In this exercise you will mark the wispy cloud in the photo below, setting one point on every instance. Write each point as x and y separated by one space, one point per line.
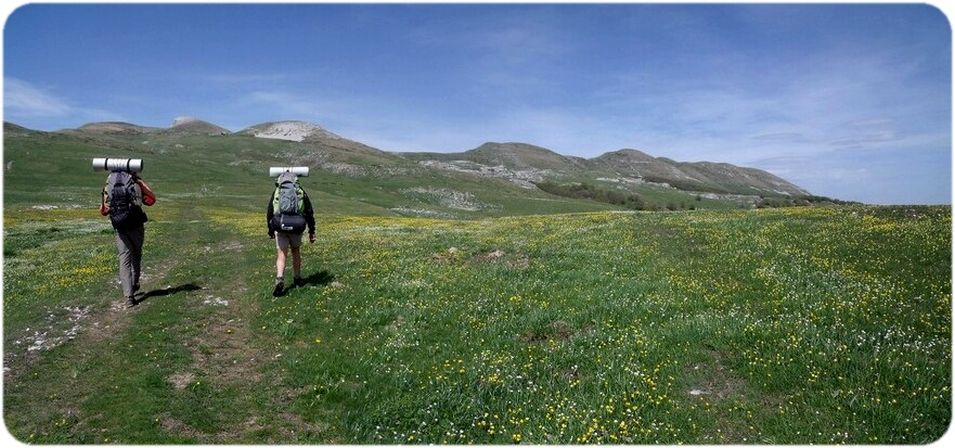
243 78
22 99
305 104
511 54
520 43
792 137
809 106
525 37
26 103
862 140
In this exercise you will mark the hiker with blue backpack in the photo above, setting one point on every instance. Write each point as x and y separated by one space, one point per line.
123 197
289 213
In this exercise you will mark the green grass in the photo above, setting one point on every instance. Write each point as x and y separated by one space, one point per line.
810 325
532 319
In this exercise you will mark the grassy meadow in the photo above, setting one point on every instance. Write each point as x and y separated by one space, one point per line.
801 325
498 314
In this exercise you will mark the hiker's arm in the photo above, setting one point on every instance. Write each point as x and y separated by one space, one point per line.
309 214
103 207
269 212
149 198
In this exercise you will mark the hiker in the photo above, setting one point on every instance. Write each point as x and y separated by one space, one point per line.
289 213
122 200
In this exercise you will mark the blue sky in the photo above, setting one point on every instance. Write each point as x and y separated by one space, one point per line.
847 101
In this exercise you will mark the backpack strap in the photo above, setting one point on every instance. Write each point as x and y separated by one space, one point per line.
300 194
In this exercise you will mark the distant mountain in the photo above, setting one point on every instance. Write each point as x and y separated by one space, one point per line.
195 126
736 178
634 163
321 145
180 126
291 130
511 155
519 163
15 129
116 127
525 164
703 176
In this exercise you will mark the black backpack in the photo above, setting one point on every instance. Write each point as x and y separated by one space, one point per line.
125 201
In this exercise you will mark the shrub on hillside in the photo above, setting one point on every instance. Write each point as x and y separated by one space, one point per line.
583 190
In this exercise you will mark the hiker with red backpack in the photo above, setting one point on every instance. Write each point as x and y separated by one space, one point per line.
123 197
289 213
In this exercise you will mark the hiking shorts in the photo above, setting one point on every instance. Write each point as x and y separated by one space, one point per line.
285 240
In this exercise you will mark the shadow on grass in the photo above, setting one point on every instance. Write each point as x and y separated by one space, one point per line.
318 279
168 291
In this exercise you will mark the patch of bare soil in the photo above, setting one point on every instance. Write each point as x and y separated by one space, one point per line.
222 351
297 424
226 246
496 256
452 254
490 257
396 324
173 426
557 331
513 261
571 374
181 380
718 382
720 386
520 262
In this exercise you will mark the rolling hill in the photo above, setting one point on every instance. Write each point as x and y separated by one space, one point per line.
512 156
191 125
291 130
702 176
491 180
114 127
534 163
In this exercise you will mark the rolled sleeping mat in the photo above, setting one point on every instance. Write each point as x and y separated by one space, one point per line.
275 171
117 164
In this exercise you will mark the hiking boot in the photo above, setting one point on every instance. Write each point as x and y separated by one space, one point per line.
279 287
130 302
298 282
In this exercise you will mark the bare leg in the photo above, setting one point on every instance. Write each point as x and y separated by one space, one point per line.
297 262
280 262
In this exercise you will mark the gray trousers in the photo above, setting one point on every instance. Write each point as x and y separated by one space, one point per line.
129 245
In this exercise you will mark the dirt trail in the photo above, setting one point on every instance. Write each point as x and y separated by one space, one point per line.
81 323
214 319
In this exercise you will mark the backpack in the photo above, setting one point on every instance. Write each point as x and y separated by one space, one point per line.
288 205
125 201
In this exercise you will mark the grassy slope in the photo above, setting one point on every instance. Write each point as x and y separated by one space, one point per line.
809 325
803 325
192 166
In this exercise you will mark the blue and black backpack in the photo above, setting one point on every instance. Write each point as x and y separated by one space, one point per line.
288 205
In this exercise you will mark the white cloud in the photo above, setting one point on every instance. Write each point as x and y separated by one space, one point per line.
243 78
25 102
304 105
838 99
21 98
